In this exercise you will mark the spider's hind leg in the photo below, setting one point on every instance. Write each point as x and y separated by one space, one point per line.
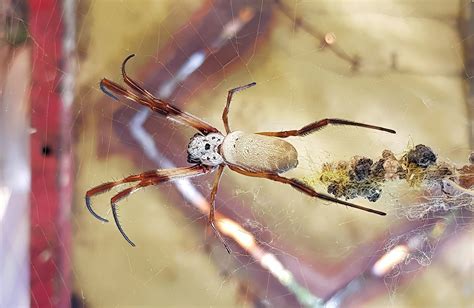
315 126
302 187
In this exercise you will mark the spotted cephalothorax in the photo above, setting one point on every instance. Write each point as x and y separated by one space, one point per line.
263 154
205 149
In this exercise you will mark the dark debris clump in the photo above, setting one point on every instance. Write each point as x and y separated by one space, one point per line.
355 179
369 190
377 171
361 169
362 178
421 156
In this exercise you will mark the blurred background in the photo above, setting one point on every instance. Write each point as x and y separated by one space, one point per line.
406 65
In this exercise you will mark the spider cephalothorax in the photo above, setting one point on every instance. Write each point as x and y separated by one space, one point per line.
205 149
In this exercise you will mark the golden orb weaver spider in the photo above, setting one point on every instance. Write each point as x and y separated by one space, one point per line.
262 155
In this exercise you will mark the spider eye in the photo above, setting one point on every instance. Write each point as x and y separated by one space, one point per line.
207 146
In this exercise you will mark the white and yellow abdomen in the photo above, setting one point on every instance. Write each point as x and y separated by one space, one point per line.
258 152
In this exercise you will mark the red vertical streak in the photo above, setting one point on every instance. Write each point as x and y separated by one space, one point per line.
49 227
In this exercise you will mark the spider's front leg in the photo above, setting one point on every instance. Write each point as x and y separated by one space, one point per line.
143 97
103 188
154 177
125 193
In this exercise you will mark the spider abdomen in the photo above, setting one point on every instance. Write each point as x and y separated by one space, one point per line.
258 152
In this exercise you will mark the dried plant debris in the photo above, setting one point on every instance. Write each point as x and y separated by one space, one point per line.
421 156
363 177
354 179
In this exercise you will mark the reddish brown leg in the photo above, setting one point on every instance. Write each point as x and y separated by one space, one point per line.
302 187
229 99
145 98
161 176
125 193
133 84
212 209
148 178
102 188
315 126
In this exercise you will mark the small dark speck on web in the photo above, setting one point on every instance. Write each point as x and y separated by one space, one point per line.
77 301
46 150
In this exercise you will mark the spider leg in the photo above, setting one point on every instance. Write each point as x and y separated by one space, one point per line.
161 176
133 84
106 92
152 174
212 209
231 92
315 126
302 187
145 98
102 188
96 191
124 193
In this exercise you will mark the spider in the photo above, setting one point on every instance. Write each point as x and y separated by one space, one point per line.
262 155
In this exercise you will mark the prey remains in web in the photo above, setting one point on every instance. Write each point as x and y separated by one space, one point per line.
263 154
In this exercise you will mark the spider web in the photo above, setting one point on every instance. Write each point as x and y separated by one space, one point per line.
407 77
